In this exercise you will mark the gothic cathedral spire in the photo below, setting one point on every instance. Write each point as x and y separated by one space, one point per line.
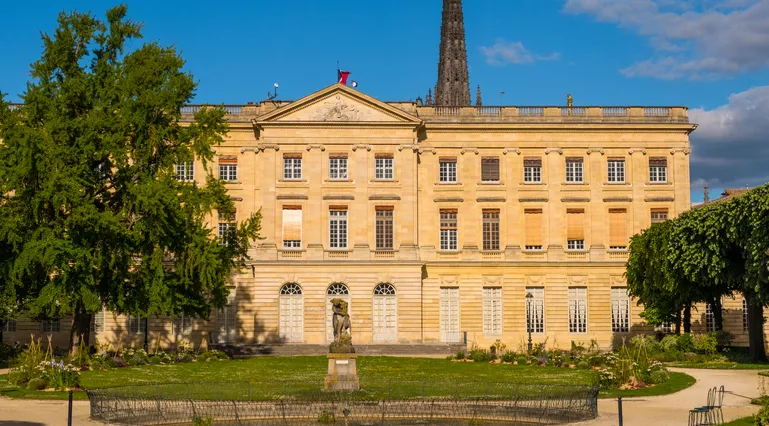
453 87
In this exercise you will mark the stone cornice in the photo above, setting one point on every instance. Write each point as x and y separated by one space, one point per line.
618 199
292 197
339 197
449 200
575 200
491 199
384 197
659 199
533 200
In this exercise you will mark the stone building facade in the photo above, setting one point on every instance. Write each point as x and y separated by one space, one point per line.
434 222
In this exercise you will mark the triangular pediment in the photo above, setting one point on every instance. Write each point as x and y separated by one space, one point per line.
338 103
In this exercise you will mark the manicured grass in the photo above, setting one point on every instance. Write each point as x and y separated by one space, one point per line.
745 421
396 377
676 383
719 365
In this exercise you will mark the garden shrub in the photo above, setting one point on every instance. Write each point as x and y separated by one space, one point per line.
29 364
154 359
326 417
134 361
658 376
8 353
724 339
706 343
669 343
201 358
762 418
36 384
509 356
96 365
686 343
522 360
202 421
479 355
642 341
583 365
460 355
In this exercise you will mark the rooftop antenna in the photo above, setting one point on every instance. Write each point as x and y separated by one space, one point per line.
500 98
271 96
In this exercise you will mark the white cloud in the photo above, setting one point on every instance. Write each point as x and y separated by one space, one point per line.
730 147
712 38
513 52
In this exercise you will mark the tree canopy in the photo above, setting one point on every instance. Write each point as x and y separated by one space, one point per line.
704 254
92 213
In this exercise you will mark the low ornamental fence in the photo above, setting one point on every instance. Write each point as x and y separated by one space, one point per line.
397 402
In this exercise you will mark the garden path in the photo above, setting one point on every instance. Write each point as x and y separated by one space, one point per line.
740 385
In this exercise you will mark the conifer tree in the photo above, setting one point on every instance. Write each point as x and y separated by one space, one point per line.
92 214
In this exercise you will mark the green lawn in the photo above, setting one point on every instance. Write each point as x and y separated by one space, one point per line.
398 377
677 382
745 421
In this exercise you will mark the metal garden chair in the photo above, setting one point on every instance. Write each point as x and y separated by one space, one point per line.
711 413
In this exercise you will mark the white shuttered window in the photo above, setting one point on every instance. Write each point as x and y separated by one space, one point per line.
620 310
291 313
577 310
492 311
385 313
450 314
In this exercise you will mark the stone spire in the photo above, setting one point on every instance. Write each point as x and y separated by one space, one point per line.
453 87
429 98
478 100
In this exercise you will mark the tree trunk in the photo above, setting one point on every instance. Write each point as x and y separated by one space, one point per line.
2 327
755 329
678 323
688 319
146 335
81 329
718 315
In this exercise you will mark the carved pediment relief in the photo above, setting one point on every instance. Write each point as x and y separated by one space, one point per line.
337 108
576 281
338 103
492 280
449 279
533 281
617 281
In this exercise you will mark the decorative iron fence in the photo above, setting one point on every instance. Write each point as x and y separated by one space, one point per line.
398 402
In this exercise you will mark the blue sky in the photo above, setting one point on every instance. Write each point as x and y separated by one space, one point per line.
696 53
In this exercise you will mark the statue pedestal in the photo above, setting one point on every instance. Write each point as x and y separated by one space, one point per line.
342 373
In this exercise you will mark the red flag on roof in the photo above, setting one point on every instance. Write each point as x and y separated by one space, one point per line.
342 76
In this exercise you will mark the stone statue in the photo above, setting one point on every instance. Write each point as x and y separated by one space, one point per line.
341 323
568 100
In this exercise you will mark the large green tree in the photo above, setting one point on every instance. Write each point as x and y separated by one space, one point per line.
92 214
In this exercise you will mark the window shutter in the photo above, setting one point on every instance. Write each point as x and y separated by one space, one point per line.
658 162
292 223
617 227
228 159
575 224
490 169
533 221
532 162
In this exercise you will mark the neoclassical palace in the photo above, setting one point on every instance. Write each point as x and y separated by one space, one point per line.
440 222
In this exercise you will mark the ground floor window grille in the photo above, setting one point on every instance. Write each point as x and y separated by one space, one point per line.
9 325
744 313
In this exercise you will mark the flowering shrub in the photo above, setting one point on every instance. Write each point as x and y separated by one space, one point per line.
37 369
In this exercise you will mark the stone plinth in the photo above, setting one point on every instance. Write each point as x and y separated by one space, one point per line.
342 373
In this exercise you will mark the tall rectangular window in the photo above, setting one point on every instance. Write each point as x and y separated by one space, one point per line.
9 325
337 166
666 327
577 310
136 324
384 228
50 325
337 227
383 167
292 166
658 169
659 215
575 229
182 325
490 169
448 229
532 219
490 229
532 170
99 319
292 227
447 170
620 310
744 314
185 171
227 227
228 168
492 311
616 170
618 229
535 309
450 314
574 169
710 318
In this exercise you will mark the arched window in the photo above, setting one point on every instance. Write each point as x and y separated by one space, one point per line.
291 313
385 313
334 291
